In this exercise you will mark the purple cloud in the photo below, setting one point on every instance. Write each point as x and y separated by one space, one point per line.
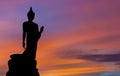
73 54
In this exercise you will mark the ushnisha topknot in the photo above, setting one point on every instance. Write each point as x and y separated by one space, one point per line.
30 13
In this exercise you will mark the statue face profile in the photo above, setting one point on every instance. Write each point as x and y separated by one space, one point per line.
30 14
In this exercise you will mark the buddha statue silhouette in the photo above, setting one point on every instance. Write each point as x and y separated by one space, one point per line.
31 35
25 64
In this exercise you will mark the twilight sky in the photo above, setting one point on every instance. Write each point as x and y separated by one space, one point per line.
81 37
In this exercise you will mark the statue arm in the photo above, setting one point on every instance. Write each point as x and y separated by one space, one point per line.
41 30
24 36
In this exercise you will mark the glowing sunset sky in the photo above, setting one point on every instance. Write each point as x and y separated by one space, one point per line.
81 37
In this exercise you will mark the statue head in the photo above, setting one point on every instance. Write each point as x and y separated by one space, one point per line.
30 14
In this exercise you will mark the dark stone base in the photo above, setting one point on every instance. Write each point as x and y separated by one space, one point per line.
20 65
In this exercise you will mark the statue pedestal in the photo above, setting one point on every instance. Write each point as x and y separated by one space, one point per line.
20 65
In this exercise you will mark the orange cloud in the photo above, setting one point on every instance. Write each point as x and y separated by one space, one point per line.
72 71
